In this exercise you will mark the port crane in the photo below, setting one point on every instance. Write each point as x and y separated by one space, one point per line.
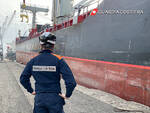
34 10
3 29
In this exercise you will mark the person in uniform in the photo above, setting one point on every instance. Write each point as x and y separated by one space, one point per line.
47 70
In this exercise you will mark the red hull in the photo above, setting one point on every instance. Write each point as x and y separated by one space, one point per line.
129 82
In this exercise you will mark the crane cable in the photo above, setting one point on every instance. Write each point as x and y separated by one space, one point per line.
24 1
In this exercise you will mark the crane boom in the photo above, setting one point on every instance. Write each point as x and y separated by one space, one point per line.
3 29
11 19
5 25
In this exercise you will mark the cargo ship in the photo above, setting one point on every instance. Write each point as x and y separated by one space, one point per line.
105 42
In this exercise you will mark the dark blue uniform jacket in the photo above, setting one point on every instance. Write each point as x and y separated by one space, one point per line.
46 69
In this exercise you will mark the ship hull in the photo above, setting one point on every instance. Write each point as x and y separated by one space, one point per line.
120 38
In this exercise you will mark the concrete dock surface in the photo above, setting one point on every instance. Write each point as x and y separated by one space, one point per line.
15 99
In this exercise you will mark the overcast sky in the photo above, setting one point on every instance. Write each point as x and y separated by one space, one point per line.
7 8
